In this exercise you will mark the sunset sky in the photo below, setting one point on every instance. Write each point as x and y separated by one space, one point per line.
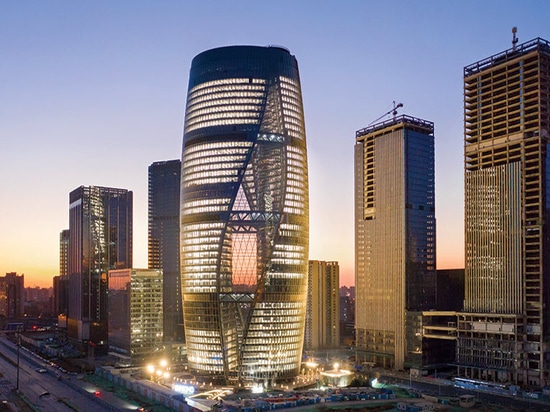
91 93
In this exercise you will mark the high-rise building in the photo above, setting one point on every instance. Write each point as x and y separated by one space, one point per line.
347 315
504 332
163 240
12 295
100 227
135 314
323 306
61 282
394 239
244 214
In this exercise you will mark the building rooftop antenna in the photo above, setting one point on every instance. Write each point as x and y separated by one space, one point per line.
514 38
393 112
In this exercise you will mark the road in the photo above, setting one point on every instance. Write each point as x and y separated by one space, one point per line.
448 390
54 390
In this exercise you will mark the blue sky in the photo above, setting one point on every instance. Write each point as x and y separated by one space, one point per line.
94 92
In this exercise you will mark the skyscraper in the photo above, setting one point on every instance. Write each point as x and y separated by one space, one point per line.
61 282
394 239
244 214
505 331
323 306
100 226
12 295
163 240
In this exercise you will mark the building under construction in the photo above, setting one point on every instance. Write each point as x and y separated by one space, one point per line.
504 332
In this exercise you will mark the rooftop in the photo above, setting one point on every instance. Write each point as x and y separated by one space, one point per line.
507 55
403 119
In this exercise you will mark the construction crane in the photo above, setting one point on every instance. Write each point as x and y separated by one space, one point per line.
392 112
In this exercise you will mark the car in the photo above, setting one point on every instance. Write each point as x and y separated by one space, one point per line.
45 393
41 370
97 393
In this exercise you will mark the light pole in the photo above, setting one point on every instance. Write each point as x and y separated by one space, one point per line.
160 372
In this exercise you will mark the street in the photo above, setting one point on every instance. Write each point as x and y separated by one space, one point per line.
50 390
435 388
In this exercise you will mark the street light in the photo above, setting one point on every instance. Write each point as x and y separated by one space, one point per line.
18 349
160 372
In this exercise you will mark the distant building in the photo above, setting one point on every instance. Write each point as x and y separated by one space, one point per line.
163 241
504 330
323 306
135 314
39 302
347 291
61 282
64 253
347 315
100 225
12 296
394 240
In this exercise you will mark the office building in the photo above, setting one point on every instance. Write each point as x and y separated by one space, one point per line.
135 315
323 306
347 316
163 241
244 214
394 240
61 282
100 230
12 295
504 332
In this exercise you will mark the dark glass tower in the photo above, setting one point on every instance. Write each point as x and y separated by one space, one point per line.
244 214
100 227
394 239
163 240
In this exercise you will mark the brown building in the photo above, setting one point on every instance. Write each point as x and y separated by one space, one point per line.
323 306
504 331
12 296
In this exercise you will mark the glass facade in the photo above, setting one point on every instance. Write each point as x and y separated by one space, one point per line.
244 214
100 230
394 239
135 314
163 240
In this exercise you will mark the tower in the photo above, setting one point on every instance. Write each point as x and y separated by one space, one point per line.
163 240
61 282
323 306
505 328
100 230
394 239
12 295
244 214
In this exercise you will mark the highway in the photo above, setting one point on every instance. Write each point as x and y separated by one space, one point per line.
50 390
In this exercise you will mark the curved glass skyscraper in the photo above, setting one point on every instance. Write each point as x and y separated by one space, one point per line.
244 214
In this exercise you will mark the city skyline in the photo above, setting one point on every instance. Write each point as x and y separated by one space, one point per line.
94 94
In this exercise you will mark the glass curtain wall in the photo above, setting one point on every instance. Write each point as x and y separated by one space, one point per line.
244 214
